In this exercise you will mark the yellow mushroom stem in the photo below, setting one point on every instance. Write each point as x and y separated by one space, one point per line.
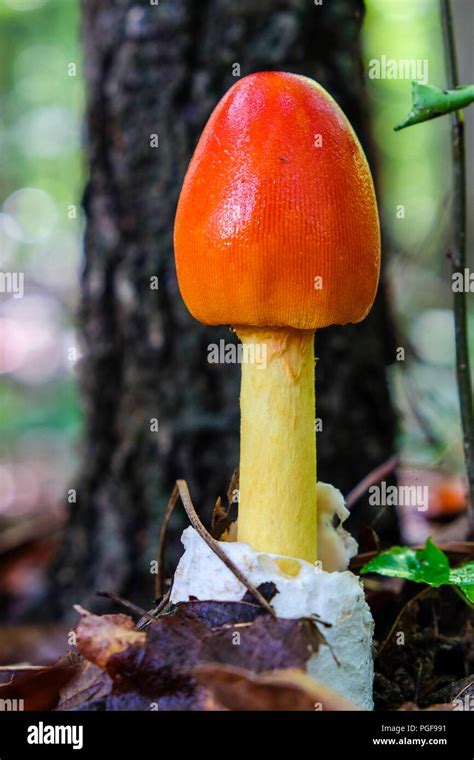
277 489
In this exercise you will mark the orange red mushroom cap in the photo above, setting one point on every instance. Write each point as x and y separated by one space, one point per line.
277 221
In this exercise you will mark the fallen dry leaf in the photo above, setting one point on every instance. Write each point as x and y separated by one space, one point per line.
280 690
88 684
154 669
218 614
38 689
100 637
266 644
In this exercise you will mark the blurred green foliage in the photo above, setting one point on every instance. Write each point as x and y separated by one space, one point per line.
414 188
36 49
41 114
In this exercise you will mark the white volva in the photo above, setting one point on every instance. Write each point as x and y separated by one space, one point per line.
330 591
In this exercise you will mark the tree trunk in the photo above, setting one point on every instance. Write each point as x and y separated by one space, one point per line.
154 73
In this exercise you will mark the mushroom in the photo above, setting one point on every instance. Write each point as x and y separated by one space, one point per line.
277 235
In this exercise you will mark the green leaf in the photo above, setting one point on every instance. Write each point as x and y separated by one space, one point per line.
429 565
429 102
434 564
463 578
468 591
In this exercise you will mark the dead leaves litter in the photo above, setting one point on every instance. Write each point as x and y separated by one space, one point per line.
157 669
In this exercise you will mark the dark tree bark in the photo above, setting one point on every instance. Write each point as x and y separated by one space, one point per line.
159 70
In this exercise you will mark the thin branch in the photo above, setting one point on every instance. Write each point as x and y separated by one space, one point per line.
397 622
214 545
414 402
159 583
465 688
458 257
129 605
154 613
375 476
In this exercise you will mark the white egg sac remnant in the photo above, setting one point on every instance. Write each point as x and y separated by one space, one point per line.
336 597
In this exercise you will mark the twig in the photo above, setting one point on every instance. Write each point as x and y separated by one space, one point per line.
458 257
129 605
22 666
221 520
465 688
159 590
418 680
154 613
375 476
413 399
396 623
214 545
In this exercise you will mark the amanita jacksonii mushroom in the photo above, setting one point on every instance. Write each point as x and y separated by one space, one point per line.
277 234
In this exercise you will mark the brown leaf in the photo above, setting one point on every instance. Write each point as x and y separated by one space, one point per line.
266 644
39 690
158 664
218 614
88 684
100 637
219 519
161 665
291 689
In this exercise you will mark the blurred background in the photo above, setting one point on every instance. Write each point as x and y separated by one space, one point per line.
41 181
43 174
